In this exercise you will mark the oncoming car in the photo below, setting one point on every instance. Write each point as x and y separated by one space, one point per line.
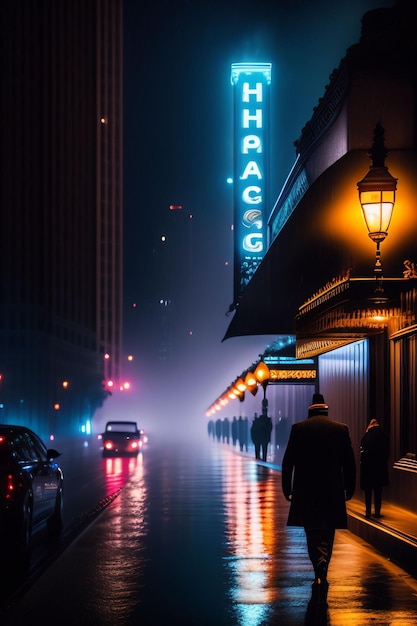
121 438
31 490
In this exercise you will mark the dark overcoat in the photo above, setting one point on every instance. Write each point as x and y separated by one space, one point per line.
318 473
255 432
265 429
374 458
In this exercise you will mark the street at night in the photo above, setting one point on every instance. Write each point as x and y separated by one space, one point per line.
197 535
208 313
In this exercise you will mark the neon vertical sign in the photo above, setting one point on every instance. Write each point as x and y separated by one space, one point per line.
251 121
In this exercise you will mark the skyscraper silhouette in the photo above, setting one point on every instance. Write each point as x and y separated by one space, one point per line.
61 209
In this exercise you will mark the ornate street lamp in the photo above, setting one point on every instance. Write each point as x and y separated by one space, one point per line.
262 375
377 197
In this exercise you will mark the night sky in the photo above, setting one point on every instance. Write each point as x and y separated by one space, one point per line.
178 150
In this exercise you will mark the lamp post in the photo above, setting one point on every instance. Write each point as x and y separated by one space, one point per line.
262 376
377 198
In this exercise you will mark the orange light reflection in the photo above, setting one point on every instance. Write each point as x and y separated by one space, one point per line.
251 535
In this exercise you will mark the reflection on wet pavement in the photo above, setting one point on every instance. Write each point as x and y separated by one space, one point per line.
199 537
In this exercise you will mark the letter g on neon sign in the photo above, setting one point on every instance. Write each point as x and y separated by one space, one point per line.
253 242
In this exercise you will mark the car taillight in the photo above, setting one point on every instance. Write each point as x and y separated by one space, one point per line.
10 487
134 445
108 445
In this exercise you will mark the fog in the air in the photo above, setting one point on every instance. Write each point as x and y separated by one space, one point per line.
178 150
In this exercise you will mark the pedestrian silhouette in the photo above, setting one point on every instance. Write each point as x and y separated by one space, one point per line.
235 433
246 434
256 436
226 430
218 428
318 476
243 433
374 466
265 428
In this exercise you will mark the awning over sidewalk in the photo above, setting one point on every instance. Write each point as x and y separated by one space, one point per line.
264 309
277 365
324 238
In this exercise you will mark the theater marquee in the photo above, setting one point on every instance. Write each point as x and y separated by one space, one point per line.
251 120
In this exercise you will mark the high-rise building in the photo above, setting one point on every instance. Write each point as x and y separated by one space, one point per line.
61 209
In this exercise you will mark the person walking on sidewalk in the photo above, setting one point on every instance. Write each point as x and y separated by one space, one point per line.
374 466
256 436
265 429
318 476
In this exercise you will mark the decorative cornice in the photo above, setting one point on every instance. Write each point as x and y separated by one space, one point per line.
331 289
325 112
251 68
348 309
313 347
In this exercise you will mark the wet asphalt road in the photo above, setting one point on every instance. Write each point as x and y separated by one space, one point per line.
198 536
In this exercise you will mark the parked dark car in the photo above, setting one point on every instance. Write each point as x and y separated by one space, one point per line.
121 438
31 489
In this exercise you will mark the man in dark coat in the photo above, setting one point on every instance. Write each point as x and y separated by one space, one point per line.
318 476
265 429
374 465
256 436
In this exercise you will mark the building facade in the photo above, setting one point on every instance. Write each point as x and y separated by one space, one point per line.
349 302
61 210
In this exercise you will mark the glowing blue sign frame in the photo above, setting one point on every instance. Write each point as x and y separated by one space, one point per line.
251 153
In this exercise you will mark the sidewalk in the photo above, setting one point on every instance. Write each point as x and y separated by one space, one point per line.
394 535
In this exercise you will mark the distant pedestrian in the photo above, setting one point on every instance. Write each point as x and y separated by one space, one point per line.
235 433
256 436
246 434
374 466
265 429
226 430
218 428
318 476
243 433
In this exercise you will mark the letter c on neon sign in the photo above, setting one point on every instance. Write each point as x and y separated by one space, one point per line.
249 198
